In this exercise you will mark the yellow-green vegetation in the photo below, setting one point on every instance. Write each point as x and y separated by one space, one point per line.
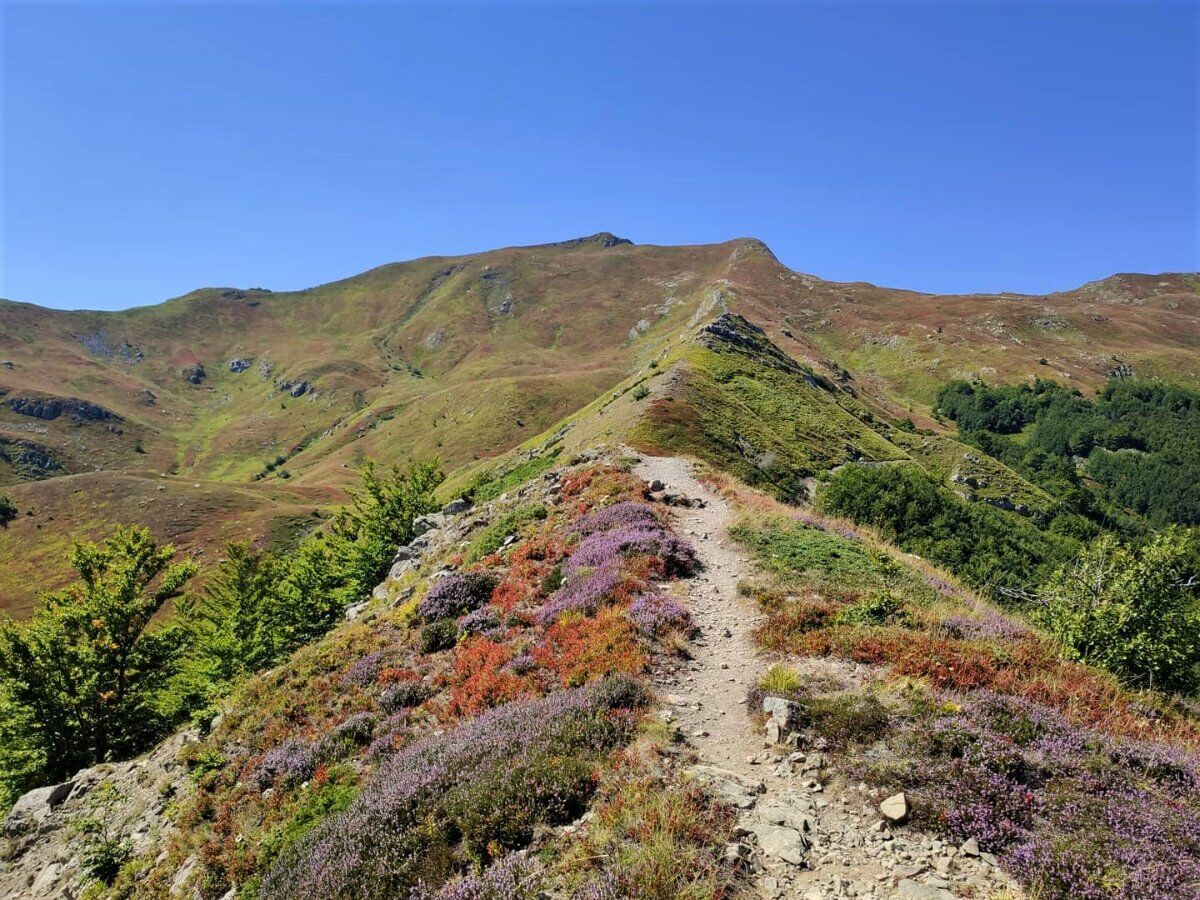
744 406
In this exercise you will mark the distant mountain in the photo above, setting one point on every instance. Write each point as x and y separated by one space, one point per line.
241 412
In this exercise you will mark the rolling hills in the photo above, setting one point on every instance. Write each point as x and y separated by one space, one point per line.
233 412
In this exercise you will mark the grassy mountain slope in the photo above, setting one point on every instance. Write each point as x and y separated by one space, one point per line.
467 357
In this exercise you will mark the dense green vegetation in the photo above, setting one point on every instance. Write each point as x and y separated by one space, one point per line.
93 677
1140 440
8 510
1130 610
985 546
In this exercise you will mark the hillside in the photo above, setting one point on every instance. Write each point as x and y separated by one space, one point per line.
731 623
232 410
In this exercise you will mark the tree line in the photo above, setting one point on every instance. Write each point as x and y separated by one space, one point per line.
97 675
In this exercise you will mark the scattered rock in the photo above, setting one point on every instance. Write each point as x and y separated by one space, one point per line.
456 507
895 807
917 891
194 374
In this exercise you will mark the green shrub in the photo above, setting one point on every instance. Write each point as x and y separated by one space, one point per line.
8 510
1130 610
877 608
491 538
491 485
440 635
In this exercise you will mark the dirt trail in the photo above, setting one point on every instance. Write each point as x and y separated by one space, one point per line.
809 835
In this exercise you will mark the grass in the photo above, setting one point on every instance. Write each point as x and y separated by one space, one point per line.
490 485
767 424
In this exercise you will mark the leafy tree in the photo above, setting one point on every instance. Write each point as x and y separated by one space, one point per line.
986 546
89 667
1131 610
8 510
379 518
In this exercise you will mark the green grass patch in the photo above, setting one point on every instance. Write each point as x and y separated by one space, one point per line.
490 485
492 538
790 549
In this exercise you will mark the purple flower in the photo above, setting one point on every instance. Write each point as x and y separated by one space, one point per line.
989 626
489 781
484 620
653 614
364 671
584 593
619 515
291 762
678 556
457 594
515 877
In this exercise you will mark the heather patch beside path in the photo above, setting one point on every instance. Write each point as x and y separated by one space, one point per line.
804 831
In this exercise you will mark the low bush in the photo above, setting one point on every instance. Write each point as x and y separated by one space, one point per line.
455 595
437 636
654 614
582 650
470 794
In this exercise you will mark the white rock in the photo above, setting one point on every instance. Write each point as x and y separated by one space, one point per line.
895 807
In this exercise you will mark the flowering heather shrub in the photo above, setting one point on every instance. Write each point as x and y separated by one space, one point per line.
515 877
653 614
389 736
677 555
584 593
489 781
619 515
404 695
356 729
582 650
485 621
522 664
364 671
1072 812
455 595
989 626
291 762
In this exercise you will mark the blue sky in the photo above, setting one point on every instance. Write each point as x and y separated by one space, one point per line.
152 148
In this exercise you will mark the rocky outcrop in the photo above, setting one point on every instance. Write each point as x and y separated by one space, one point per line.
194 374
293 388
42 847
240 364
50 408
28 459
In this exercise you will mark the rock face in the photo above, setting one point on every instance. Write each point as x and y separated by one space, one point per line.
293 388
29 460
49 408
240 364
41 848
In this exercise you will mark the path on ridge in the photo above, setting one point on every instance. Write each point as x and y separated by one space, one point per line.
847 850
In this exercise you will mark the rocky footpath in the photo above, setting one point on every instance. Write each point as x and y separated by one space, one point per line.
804 830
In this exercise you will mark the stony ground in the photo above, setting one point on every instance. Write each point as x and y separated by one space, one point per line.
805 832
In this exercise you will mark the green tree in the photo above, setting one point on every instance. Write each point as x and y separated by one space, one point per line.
379 518
8 510
88 666
1131 610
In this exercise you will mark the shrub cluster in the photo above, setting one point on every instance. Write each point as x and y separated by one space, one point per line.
455 595
470 794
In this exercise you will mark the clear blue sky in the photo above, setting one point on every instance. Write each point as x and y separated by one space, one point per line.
949 146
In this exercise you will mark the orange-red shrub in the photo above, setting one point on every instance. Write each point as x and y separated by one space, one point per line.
580 650
480 680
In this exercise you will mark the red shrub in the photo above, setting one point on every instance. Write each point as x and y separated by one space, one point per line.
480 680
580 650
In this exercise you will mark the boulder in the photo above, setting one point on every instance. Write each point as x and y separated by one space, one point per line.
35 806
786 713
240 364
780 842
895 807
456 507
